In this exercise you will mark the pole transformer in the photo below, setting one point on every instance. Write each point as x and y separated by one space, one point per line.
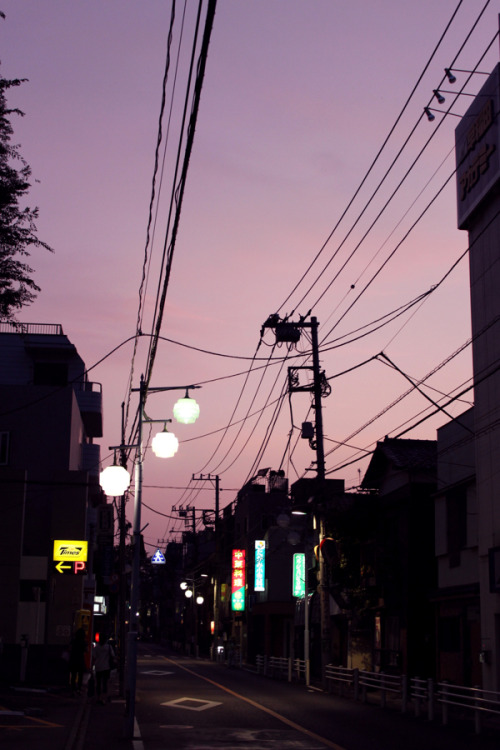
288 332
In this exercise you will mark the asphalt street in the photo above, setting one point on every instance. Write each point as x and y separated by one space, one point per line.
194 704
199 705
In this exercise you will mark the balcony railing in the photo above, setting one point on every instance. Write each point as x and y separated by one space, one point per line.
46 329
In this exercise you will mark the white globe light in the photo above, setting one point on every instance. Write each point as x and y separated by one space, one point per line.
188 593
186 410
199 600
183 585
165 444
114 480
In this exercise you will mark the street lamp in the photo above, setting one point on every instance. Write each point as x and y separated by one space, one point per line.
164 445
114 480
190 593
186 410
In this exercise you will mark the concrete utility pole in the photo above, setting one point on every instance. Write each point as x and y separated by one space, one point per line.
216 479
290 332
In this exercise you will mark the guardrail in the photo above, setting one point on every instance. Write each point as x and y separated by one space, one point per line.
384 684
279 666
424 695
343 676
479 702
283 667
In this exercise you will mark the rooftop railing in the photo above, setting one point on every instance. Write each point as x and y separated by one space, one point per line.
46 329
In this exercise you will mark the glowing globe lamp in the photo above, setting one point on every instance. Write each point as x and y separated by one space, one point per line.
186 410
165 444
188 593
199 600
114 480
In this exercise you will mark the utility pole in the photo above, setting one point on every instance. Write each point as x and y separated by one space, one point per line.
324 594
122 579
288 332
215 479
212 478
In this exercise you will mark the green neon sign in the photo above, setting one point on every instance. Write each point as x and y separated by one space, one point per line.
299 575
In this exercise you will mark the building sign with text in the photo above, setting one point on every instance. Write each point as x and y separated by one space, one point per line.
238 580
70 556
299 575
260 565
477 141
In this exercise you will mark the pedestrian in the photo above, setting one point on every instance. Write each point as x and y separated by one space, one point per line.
103 659
77 660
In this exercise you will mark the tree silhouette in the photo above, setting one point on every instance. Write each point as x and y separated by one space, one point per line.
17 224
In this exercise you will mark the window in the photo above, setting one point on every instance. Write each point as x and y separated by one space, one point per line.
50 373
4 448
32 591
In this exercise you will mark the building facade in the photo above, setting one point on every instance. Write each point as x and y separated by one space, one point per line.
477 142
50 415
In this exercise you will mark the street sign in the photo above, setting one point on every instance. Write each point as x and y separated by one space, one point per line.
70 550
67 567
158 558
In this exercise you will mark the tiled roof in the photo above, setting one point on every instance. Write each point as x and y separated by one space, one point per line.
402 455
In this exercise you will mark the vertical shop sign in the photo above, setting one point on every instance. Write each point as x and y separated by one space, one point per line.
299 575
238 581
260 565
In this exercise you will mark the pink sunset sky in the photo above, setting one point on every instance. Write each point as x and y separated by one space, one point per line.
297 100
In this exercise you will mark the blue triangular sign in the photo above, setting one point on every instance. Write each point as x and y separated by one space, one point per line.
158 558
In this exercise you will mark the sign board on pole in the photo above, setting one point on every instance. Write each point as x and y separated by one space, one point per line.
299 575
238 581
260 565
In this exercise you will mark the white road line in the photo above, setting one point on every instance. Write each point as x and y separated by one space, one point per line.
137 744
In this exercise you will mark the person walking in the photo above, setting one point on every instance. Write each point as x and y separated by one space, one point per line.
103 658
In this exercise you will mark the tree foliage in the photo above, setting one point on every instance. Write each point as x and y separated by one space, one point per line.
17 223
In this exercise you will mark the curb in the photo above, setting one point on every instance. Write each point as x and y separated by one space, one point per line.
79 729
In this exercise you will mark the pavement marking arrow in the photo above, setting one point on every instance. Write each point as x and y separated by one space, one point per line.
270 712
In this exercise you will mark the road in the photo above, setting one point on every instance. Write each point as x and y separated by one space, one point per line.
198 705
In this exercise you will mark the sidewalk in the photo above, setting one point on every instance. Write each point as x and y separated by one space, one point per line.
101 727
52 719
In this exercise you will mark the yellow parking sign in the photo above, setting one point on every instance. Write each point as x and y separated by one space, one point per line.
70 550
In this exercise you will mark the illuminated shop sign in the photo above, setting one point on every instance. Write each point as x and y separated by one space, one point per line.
299 575
260 565
65 549
238 581
70 556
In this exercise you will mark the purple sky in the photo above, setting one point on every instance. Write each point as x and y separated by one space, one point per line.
298 97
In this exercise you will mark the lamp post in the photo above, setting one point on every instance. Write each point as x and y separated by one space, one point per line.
190 593
164 445
294 539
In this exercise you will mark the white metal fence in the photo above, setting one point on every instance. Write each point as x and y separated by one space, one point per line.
424 697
